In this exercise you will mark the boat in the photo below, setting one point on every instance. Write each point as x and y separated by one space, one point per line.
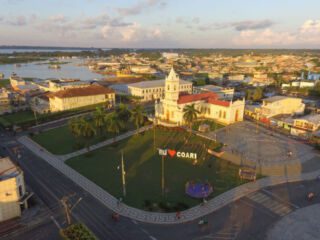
54 66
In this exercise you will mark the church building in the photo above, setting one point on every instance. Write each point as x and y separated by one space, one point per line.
169 110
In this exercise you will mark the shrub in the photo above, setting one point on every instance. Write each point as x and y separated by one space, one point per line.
77 232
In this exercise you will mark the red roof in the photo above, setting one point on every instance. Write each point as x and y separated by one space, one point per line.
209 97
81 92
219 102
196 97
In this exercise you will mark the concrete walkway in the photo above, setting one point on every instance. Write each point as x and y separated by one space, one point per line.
103 144
152 217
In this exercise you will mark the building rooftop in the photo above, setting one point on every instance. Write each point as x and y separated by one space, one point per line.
81 92
276 98
153 84
314 118
8 169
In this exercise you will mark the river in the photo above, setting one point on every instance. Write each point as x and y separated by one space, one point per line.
36 70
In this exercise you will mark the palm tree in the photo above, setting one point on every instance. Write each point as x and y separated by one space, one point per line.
190 114
74 126
86 130
114 124
99 118
138 116
123 112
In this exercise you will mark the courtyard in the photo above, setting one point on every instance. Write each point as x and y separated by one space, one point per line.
262 146
143 166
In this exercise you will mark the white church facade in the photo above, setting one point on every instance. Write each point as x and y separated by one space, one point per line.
169 111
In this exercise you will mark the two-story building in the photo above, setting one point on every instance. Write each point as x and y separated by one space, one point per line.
153 90
13 194
74 98
277 105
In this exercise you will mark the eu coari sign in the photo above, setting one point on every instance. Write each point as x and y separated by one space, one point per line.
172 153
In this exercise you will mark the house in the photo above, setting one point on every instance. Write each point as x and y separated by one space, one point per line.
277 105
169 110
5 102
73 98
153 90
306 125
13 194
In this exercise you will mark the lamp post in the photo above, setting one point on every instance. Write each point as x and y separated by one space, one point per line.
123 175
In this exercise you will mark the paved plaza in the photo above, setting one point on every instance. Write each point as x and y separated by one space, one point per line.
303 224
261 146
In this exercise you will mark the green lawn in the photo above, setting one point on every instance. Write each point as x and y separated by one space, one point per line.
4 82
18 117
61 141
143 169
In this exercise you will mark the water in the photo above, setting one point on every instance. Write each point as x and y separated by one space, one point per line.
34 70
21 50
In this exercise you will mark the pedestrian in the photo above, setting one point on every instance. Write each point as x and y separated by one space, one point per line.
119 202
178 215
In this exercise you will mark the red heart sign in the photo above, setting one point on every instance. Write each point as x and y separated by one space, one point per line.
171 152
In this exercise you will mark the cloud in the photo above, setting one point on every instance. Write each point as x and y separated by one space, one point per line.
310 26
18 21
238 26
130 33
252 25
139 7
308 35
58 18
266 37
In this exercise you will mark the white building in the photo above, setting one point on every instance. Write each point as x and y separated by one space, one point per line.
152 90
169 55
169 111
13 192
223 93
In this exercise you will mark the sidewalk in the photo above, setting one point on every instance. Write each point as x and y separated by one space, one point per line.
153 217
103 144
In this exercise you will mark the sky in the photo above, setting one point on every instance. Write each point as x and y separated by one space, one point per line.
161 23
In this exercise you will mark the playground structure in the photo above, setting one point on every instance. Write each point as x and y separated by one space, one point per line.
198 190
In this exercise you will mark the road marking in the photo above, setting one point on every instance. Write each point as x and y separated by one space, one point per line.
280 199
152 237
273 205
134 221
55 222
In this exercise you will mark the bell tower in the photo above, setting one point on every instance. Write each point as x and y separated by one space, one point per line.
172 86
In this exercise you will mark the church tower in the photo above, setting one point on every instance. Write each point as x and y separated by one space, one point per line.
172 86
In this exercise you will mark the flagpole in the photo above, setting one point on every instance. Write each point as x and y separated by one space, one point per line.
162 175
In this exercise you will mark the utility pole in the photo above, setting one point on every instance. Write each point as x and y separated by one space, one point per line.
162 175
68 207
123 175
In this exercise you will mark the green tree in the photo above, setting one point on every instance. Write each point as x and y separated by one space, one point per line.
123 112
138 116
257 94
114 124
99 119
190 114
86 130
74 126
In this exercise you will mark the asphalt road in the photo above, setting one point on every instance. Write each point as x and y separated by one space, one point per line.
247 218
